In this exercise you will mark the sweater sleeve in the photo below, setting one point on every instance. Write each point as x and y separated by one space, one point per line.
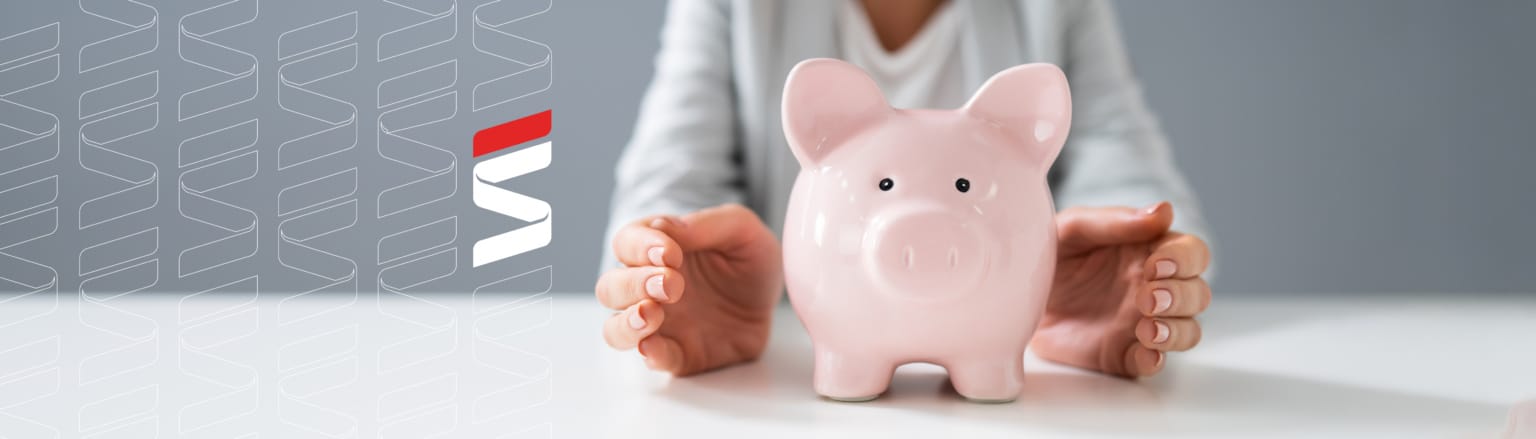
1117 153
682 155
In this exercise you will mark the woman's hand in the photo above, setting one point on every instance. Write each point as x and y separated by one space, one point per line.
1126 291
696 292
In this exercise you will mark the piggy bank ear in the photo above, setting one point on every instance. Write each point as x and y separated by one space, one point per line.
1031 103
826 101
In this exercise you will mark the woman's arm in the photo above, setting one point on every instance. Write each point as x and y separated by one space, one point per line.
1130 281
1116 154
680 157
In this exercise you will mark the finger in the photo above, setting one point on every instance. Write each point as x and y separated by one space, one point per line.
647 243
1168 334
1142 362
1082 228
1174 297
619 288
1178 256
726 227
663 353
626 328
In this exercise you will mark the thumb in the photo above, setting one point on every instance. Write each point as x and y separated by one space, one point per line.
1085 228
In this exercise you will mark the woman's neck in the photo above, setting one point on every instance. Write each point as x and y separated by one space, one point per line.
896 22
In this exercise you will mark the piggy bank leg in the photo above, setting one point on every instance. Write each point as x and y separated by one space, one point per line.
848 378
998 379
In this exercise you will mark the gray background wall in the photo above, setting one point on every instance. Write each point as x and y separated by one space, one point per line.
1362 146
1376 146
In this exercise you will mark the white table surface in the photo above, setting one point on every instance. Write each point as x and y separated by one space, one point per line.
534 366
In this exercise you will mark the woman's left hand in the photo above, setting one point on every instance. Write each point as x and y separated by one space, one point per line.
1126 291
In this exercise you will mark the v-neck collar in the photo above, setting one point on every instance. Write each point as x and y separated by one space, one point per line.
941 29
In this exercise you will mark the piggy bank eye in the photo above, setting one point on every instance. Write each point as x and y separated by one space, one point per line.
963 185
886 184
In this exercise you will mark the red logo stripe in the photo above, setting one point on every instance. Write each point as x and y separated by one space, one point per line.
513 133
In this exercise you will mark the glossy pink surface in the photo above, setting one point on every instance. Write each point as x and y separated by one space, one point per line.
921 271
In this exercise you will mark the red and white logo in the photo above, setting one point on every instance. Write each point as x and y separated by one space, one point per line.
519 161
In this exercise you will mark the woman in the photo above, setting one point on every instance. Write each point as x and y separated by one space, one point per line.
695 272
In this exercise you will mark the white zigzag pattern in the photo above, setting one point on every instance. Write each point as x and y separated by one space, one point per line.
221 155
502 332
116 117
417 98
531 75
28 213
320 358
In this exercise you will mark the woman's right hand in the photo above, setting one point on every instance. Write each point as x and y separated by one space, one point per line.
696 292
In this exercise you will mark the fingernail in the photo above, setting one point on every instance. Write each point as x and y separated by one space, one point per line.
1160 357
1161 300
635 320
1151 210
1162 330
656 289
655 255
666 221
1166 268
659 223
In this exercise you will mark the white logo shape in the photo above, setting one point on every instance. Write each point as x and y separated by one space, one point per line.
536 212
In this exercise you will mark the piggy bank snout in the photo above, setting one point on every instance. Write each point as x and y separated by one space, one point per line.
927 250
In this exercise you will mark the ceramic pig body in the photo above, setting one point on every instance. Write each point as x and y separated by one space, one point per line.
921 235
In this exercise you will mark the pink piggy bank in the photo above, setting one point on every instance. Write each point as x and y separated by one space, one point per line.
921 235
